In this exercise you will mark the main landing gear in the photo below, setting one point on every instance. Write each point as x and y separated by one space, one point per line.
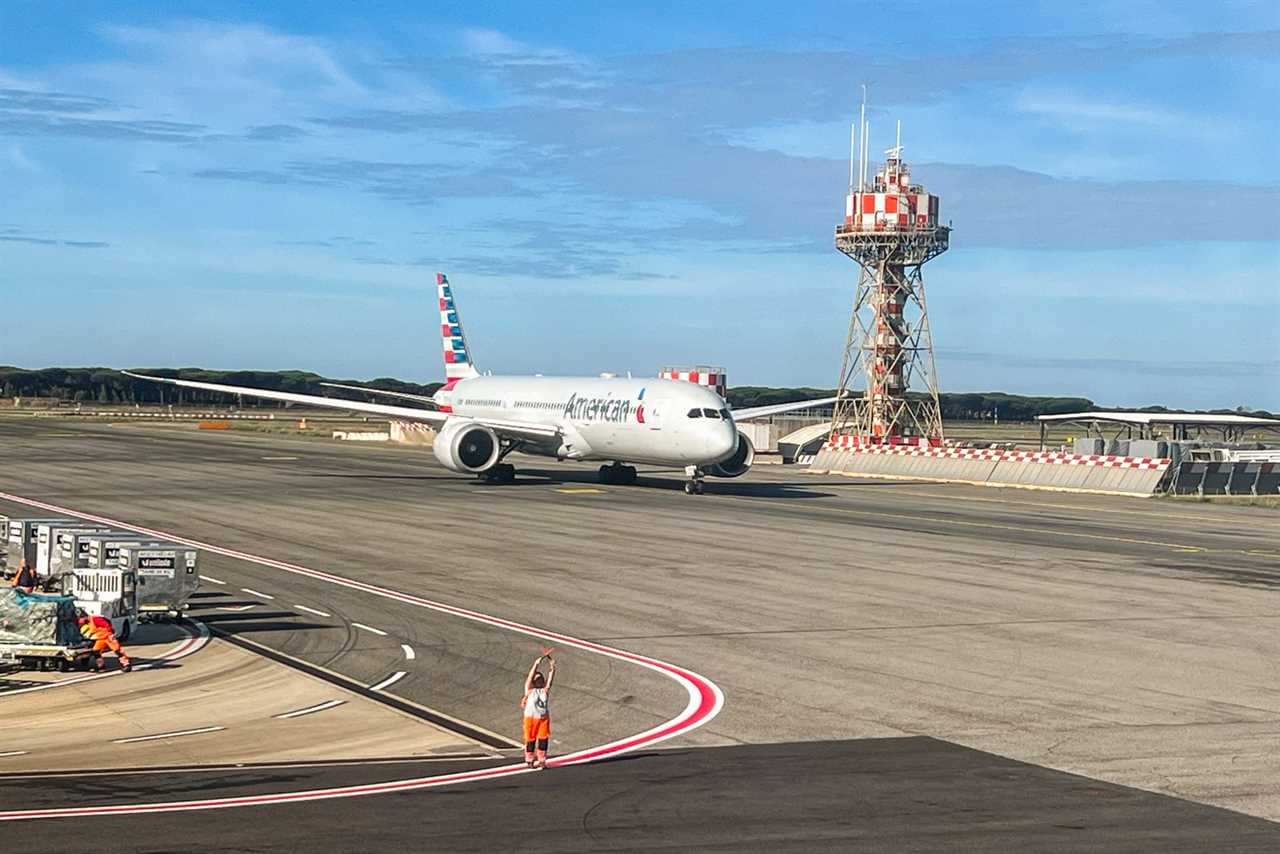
617 474
693 486
501 473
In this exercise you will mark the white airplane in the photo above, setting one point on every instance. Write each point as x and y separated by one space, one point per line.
482 418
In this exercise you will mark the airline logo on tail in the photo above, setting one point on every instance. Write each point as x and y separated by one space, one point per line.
457 359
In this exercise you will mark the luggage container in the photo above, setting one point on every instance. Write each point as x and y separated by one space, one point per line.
104 549
38 630
167 576
65 546
110 593
47 536
20 539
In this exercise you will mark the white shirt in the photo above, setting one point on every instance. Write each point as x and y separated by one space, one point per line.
535 703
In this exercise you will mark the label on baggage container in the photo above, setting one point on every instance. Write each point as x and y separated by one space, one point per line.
156 564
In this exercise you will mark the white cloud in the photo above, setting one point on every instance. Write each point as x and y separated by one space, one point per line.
1083 112
484 41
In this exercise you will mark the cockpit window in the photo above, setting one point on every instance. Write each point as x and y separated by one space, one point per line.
711 413
695 413
724 413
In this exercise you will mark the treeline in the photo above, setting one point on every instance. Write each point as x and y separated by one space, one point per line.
109 386
969 406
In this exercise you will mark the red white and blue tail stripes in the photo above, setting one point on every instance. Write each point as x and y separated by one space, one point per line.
457 357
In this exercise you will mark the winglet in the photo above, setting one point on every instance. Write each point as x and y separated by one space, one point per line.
457 355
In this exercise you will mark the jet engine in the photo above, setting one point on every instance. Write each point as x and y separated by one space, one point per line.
738 463
467 447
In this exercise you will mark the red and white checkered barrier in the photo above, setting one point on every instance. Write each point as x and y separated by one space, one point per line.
1056 458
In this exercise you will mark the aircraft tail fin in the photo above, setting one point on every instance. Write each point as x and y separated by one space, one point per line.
457 355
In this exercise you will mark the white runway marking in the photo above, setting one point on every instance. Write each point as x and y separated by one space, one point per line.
312 611
705 699
212 580
13 753
235 608
310 710
389 681
281 459
253 592
409 654
175 734
370 629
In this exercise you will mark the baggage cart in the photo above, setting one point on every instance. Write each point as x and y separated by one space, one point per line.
167 576
40 630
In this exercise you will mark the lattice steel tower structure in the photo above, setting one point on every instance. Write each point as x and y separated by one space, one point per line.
890 229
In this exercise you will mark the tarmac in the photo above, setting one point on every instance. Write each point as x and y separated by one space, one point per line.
1132 642
205 708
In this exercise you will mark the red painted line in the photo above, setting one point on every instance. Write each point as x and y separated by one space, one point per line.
705 697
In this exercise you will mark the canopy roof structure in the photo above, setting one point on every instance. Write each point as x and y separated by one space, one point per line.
1149 424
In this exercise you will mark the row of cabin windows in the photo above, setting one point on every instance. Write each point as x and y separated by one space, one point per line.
519 404
709 413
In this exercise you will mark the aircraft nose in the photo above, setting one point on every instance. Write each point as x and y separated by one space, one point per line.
721 442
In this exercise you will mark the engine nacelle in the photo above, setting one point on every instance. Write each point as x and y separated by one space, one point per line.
467 447
738 463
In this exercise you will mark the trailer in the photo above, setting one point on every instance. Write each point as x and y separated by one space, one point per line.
167 577
64 657
40 631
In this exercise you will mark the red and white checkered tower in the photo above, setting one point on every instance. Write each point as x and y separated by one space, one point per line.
891 229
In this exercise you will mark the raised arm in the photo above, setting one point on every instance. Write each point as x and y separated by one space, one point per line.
533 668
551 672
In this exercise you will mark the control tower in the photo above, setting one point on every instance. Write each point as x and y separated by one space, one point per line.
890 229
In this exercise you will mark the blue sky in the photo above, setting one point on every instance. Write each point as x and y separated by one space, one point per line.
618 186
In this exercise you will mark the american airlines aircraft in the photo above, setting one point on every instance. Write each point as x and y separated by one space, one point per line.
482 418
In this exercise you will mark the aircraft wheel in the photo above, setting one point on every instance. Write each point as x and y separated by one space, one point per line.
629 475
507 473
689 488
604 475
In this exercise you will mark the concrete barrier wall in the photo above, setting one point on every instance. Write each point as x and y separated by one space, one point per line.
1238 478
1119 475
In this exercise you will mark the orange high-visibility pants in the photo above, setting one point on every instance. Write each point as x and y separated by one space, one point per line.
107 642
537 729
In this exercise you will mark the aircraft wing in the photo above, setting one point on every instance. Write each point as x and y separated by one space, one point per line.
779 408
403 395
515 429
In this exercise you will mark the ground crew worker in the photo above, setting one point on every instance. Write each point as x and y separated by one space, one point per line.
26 580
98 629
537 712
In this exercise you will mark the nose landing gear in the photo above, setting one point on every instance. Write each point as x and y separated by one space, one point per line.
617 474
693 486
